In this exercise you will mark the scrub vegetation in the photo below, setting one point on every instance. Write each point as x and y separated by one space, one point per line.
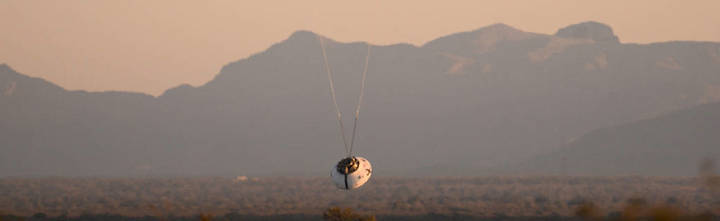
397 198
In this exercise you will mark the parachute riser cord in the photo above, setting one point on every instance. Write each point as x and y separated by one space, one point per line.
359 101
348 147
332 94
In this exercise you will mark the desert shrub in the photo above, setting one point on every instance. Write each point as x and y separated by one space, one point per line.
345 214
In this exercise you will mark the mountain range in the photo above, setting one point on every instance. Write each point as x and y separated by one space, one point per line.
461 104
670 145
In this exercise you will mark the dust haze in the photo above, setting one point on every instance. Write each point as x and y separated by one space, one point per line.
475 111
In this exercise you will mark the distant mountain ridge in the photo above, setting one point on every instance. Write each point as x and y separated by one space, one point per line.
595 31
453 106
670 145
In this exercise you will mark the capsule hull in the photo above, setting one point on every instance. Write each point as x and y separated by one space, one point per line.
353 180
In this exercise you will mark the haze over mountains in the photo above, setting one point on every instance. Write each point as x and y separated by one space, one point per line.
457 105
672 144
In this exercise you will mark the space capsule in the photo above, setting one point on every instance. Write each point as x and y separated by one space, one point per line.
351 173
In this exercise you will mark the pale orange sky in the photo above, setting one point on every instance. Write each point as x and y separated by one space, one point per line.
150 46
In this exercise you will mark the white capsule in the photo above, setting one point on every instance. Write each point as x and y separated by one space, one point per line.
351 173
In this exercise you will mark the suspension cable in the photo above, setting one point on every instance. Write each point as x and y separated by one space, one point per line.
332 95
348 147
359 101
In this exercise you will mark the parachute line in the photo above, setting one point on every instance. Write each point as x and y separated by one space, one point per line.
359 101
348 146
332 95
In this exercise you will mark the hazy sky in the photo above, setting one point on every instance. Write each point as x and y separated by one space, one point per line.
150 46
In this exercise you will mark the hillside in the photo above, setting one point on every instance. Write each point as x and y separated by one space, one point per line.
453 106
673 144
